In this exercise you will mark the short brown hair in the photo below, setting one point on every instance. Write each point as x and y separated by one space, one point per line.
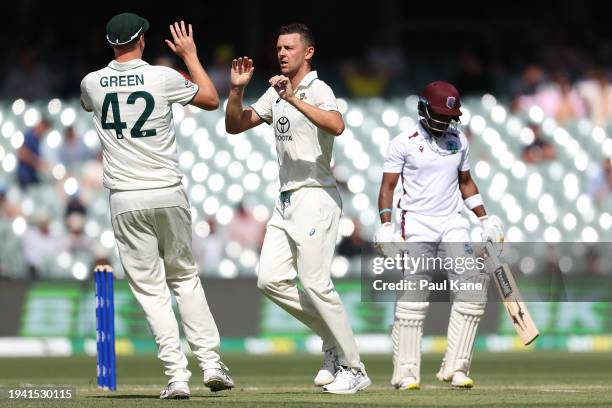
301 29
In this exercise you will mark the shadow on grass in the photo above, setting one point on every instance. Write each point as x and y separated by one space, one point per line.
148 396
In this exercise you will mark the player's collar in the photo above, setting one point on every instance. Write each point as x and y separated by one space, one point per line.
449 146
126 66
308 79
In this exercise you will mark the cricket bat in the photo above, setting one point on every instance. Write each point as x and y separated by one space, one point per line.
511 297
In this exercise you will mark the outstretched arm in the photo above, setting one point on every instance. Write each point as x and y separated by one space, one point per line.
238 119
182 44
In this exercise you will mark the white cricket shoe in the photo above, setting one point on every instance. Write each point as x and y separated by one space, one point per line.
175 390
217 379
348 381
408 383
327 373
461 380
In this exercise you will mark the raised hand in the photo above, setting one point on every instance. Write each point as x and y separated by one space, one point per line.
242 72
182 43
283 86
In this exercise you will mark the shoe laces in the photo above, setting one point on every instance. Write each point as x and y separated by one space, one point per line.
167 389
345 372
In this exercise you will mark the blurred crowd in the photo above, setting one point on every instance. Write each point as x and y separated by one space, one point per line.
74 158
588 96
565 91
562 69
39 242
516 53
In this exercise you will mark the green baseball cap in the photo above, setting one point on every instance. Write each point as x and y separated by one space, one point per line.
125 27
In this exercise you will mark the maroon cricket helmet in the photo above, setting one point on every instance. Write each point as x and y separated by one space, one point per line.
442 98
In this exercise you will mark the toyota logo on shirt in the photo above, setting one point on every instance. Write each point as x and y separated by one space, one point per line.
282 124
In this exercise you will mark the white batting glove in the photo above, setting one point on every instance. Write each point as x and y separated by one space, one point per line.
384 239
492 230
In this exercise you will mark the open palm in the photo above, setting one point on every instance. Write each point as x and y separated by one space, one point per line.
242 71
182 43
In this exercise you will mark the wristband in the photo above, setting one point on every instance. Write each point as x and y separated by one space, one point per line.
385 210
473 201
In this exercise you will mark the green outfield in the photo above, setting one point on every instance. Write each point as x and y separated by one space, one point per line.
502 380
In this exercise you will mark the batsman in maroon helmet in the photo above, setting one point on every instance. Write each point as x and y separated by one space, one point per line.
432 161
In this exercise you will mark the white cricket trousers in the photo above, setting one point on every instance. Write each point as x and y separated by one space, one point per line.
155 250
425 228
300 242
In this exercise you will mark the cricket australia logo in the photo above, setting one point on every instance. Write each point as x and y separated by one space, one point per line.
450 102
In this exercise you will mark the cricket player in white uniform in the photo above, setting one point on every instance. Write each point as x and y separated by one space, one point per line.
150 213
301 235
433 163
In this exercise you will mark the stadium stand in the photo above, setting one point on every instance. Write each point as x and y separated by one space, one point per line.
547 201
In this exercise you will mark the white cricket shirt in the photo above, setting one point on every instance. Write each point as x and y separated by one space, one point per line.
132 102
304 151
429 169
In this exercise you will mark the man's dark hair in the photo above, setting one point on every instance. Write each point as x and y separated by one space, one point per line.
301 29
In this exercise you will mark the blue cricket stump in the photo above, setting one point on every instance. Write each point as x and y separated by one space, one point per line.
105 327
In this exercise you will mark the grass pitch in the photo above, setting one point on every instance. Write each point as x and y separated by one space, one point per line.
502 380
